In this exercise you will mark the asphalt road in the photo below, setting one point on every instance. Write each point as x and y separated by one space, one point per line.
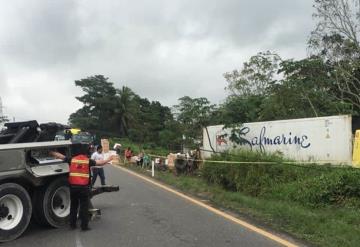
141 214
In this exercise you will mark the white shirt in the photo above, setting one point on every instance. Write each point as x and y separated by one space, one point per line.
97 156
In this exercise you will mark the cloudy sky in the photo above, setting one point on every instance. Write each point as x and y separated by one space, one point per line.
161 49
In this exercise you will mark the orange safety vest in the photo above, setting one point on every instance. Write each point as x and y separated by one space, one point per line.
79 173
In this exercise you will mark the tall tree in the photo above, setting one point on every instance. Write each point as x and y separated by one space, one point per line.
98 104
152 118
238 110
109 111
193 114
248 87
304 91
125 108
336 39
255 76
336 19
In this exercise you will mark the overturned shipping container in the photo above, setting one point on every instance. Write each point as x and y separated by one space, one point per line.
323 139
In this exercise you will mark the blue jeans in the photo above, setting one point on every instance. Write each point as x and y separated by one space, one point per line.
96 172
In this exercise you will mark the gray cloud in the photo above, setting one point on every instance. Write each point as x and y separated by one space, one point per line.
161 49
44 33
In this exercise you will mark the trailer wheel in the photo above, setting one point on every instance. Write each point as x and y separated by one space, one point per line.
53 204
15 211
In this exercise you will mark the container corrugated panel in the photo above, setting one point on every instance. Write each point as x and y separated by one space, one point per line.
308 139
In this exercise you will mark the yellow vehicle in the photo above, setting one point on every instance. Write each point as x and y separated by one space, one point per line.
75 131
356 151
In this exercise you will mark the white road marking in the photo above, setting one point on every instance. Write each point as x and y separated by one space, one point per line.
78 240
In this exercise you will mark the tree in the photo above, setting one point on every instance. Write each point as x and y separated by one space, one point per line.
337 20
125 108
302 88
255 76
241 109
248 87
98 102
171 135
193 114
336 40
152 120
304 91
158 121
108 111
84 119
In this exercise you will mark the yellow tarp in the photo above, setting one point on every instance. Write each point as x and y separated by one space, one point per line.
356 151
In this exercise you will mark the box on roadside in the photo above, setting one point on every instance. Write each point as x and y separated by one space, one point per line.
171 161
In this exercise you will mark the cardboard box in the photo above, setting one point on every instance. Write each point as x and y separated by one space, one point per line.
105 145
171 161
116 160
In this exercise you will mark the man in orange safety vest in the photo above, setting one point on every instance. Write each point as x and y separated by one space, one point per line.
80 182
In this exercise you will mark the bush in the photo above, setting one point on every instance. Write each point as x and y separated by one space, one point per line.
310 185
253 179
338 187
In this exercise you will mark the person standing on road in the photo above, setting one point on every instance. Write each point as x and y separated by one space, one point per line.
98 155
79 181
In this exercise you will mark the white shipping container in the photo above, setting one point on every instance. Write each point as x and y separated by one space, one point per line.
323 139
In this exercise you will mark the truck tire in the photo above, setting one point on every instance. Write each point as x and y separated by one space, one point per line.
52 203
15 211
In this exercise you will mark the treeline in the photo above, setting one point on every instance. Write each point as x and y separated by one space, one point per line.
109 111
266 87
112 112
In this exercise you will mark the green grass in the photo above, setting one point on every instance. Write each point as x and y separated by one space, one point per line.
320 226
